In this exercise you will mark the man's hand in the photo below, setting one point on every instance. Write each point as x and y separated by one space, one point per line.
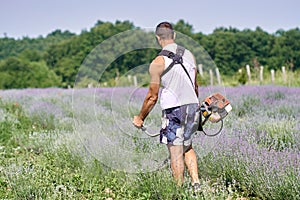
137 122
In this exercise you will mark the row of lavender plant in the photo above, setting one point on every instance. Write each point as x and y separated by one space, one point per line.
257 153
259 150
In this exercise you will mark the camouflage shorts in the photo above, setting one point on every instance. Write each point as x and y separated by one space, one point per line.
179 124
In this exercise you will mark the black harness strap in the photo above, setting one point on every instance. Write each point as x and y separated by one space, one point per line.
177 59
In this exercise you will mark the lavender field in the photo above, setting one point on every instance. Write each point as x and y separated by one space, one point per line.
80 144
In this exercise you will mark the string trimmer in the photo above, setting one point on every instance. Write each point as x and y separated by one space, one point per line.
214 109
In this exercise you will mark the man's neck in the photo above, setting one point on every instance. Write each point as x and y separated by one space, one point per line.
166 42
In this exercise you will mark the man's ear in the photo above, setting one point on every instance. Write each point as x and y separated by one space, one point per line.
157 39
174 35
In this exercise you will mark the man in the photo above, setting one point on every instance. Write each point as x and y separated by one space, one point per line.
179 102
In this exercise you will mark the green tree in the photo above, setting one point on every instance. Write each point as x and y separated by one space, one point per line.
286 50
31 55
61 53
16 73
14 47
184 27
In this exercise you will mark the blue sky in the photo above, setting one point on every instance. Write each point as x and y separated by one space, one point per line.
33 18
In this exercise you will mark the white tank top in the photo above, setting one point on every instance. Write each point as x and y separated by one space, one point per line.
177 89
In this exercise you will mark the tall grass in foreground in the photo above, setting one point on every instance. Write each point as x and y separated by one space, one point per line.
42 156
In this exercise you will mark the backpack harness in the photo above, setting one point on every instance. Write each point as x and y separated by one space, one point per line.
176 59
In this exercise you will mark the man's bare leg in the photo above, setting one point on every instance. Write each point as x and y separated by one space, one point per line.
177 163
190 160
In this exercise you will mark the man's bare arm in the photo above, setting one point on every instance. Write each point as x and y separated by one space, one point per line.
156 68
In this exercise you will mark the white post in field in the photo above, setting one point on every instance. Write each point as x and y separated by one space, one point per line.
248 73
272 75
117 76
135 81
261 74
211 77
200 69
218 76
129 78
283 74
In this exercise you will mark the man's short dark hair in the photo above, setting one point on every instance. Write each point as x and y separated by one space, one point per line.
165 30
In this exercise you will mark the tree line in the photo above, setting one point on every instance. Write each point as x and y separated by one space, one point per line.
54 60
